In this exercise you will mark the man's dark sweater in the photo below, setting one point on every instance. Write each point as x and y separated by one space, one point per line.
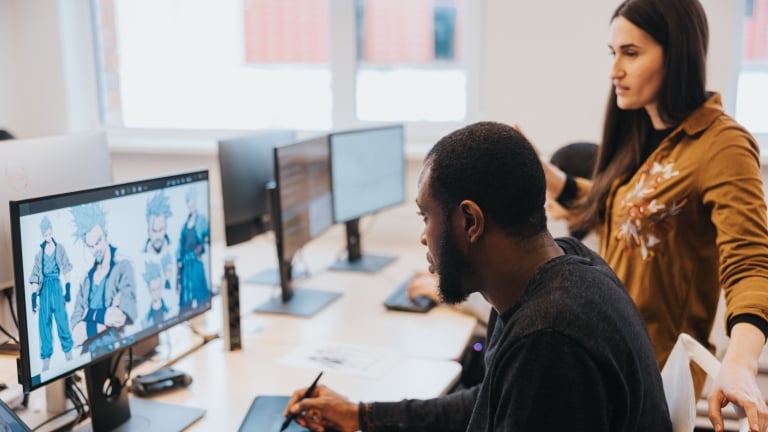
572 354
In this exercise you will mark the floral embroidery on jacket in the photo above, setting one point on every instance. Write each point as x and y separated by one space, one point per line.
644 220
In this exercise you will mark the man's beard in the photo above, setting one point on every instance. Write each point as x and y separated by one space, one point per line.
451 268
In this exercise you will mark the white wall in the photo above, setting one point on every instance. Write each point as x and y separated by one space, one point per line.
37 105
547 66
7 44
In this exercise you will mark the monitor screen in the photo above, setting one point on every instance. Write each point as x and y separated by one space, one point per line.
367 171
300 200
99 270
302 174
246 168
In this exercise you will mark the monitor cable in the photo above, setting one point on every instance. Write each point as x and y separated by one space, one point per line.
8 292
75 394
115 386
10 336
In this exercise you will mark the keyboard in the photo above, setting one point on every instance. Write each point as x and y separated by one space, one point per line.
398 300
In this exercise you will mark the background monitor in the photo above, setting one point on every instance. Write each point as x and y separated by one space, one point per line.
367 175
247 166
124 282
44 166
302 210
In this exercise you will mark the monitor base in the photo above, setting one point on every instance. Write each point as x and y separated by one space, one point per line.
152 416
366 263
304 303
272 277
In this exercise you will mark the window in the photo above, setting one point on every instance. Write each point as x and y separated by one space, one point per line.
299 64
409 61
753 78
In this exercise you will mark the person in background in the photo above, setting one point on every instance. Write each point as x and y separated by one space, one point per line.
567 347
576 160
677 198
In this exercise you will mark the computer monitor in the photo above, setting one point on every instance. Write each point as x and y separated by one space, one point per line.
92 281
247 167
300 201
44 166
367 175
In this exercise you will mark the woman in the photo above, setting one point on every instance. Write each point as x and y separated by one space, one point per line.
677 197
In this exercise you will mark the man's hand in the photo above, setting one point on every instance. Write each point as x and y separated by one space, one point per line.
323 410
424 284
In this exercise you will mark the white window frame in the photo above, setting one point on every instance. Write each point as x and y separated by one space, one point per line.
343 63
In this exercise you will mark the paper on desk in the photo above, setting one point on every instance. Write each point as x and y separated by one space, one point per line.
362 360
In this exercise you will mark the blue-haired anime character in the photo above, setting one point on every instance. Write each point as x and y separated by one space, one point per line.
191 280
153 277
158 244
52 266
107 298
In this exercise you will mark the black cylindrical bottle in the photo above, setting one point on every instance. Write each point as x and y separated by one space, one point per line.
230 305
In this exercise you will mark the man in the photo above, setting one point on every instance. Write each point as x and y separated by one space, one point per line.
51 266
567 349
107 297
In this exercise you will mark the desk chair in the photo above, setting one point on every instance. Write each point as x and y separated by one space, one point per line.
678 383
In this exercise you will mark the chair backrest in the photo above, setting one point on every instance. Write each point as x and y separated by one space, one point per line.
678 383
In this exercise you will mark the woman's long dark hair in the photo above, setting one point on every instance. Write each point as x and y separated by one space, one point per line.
680 27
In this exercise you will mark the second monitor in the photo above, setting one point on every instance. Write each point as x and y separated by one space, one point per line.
367 176
302 210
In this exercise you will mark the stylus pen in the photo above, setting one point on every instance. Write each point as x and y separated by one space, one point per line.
306 394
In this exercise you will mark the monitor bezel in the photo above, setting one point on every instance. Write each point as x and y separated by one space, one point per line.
24 362
285 263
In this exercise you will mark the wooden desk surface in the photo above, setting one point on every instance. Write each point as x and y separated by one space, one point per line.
225 383
358 315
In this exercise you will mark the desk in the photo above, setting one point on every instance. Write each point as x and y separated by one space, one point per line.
225 383
358 316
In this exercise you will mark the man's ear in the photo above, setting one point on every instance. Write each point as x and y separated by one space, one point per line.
474 220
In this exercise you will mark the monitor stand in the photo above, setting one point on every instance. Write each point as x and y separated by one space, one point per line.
271 276
356 260
117 412
301 302
304 302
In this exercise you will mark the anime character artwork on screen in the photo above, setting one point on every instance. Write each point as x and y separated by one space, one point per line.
52 266
193 243
106 300
124 272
